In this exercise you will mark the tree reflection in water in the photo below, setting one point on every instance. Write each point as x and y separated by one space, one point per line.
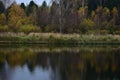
81 63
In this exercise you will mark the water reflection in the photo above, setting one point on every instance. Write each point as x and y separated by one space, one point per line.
76 63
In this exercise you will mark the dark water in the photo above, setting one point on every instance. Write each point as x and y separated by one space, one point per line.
61 63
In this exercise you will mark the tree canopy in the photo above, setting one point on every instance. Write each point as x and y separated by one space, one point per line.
66 16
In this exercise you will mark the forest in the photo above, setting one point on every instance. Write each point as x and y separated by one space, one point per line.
62 16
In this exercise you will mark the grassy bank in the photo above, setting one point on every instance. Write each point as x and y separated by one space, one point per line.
55 38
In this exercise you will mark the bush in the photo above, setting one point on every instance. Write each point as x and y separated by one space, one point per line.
104 31
2 19
29 28
51 28
4 28
117 32
47 29
104 25
86 25
70 30
111 27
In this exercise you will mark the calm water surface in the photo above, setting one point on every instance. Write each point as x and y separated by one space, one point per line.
61 63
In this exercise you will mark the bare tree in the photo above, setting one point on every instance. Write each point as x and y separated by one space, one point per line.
60 14
65 8
60 6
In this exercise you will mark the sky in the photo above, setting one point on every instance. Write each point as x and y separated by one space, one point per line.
39 2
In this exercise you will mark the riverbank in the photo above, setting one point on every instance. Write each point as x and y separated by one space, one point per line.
58 39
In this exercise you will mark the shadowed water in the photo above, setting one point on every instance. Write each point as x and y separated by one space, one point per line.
61 63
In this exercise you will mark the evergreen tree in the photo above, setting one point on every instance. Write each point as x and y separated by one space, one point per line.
2 7
22 5
30 8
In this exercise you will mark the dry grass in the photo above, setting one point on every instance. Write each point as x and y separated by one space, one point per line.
58 38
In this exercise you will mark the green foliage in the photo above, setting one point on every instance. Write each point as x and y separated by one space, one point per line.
117 32
104 32
48 29
115 11
29 28
110 27
23 21
104 25
4 28
51 28
2 19
86 25
115 16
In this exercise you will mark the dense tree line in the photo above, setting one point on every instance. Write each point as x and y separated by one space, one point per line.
66 16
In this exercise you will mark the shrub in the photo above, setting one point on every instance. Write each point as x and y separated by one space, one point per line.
70 30
104 25
104 31
117 32
2 19
47 29
86 25
4 28
29 28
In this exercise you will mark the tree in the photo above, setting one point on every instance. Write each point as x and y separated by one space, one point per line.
3 26
92 5
106 14
15 14
87 25
71 23
30 8
115 15
82 12
43 16
98 16
54 17
29 28
2 7
22 5
112 26
105 18
33 16
112 3
44 4
2 19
